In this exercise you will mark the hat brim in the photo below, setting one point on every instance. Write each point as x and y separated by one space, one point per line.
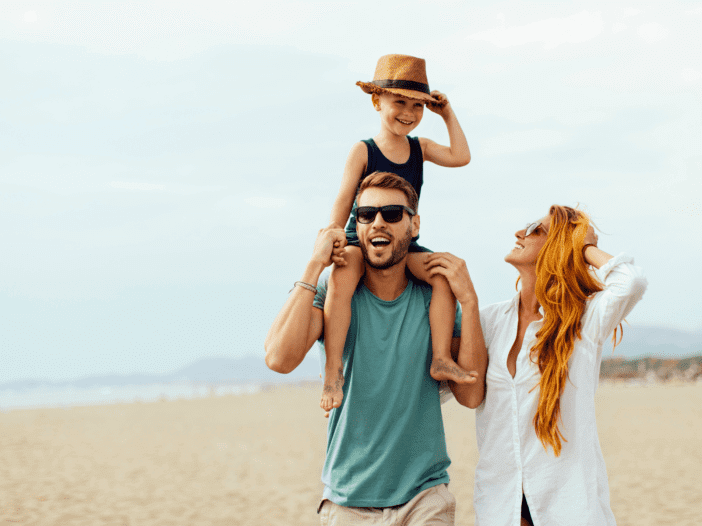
370 88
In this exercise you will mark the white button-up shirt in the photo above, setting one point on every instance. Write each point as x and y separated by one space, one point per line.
570 489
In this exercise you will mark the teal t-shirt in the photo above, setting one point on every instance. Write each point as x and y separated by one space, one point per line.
386 443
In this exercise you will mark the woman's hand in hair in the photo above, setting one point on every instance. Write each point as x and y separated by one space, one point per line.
455 271
590 236
592 254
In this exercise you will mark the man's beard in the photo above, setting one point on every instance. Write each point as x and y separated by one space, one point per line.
398 253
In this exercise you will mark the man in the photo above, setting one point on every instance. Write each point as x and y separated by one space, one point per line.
386 451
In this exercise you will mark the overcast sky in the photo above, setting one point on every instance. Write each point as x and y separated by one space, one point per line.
165 166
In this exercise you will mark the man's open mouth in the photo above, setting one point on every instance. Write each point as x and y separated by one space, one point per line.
379 241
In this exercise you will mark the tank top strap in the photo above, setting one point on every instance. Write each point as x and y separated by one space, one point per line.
372 161
377 162
411 171
415 149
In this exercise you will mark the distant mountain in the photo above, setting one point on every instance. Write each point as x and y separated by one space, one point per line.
249 368
656 342
638 342
216 370
651 369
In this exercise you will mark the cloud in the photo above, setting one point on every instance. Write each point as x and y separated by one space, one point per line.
522 141
266 202
618 27
164 30
691 75
172 188
136 186
552 32
652 32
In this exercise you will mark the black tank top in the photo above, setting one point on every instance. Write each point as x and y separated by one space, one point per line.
412 171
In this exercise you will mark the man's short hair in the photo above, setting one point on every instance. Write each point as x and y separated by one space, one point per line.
391 181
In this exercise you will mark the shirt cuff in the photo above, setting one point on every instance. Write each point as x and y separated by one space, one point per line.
617 260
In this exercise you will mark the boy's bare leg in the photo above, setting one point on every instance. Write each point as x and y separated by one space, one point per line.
442 313
337 318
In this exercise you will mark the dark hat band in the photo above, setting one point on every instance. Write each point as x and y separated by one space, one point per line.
402 84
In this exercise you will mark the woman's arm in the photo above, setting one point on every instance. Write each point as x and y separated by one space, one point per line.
624 286
470 352
596 257
458 153
298 324
353 170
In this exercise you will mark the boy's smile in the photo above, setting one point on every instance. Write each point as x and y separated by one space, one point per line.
398 114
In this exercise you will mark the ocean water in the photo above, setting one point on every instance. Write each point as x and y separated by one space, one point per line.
77 396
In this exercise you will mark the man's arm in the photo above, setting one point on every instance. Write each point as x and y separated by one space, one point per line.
469 350
298 324
471 355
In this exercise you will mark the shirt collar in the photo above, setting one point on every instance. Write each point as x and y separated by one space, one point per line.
514 304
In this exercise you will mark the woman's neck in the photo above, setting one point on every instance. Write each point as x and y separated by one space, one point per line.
527 295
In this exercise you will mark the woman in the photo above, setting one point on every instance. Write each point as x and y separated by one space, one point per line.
540 458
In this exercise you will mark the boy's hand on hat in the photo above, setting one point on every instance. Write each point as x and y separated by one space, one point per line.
442 106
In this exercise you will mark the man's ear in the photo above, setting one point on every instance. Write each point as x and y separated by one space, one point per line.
415 225
375 99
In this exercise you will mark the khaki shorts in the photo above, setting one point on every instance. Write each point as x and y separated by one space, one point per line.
435 506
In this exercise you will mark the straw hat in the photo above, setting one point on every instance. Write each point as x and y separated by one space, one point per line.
403 75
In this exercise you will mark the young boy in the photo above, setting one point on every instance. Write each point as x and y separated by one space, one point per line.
399 91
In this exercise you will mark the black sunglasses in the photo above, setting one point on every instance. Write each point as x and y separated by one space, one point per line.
390 213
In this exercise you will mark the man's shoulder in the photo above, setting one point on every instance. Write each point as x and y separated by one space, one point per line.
421 285
416 293
323 286
423 289
420 289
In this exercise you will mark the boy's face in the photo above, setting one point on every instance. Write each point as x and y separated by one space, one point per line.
398 114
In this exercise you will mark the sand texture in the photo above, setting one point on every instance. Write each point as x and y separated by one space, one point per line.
256 459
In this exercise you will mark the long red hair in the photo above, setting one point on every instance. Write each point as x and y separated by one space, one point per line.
563 285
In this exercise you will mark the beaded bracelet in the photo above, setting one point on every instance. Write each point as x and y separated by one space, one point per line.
304 285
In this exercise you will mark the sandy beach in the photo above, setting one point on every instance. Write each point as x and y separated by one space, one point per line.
256 459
